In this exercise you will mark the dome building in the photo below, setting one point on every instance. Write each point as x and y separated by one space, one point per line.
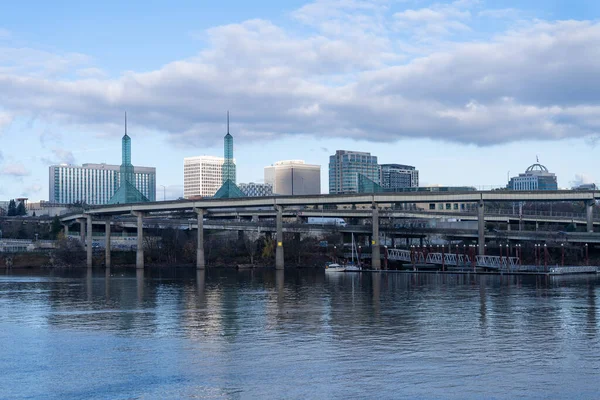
536 177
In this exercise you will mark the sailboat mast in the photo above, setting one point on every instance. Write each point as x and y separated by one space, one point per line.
352 247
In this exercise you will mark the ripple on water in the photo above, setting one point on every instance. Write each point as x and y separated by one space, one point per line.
225 334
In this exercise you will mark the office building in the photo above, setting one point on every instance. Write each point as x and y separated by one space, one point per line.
256 189
398 176
293 177
95 183
347 167
536 177
202 176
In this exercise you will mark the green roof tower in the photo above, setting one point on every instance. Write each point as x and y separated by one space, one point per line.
127 192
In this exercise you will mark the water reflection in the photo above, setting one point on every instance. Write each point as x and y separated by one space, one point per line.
395 331
139 278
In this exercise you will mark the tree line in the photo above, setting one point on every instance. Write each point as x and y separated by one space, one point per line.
15 209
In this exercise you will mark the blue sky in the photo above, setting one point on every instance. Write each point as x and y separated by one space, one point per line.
468 91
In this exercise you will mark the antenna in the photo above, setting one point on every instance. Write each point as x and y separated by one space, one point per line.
125 123
227 121
537 159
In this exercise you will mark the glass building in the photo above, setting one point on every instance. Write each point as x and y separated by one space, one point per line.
345 167
536 177
256 189
398 176
95 183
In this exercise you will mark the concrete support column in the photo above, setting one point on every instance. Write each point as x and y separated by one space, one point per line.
279 264
481 227
139 254
200 261
82 229
66 230
89 240
375 251
107 261
590 216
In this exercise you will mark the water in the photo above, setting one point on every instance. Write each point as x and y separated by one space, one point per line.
226 334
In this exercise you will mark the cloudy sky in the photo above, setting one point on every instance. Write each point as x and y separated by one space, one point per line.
469 91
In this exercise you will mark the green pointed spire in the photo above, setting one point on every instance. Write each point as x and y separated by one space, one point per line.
228 170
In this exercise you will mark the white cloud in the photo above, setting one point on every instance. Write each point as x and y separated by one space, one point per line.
16 170
537 82
501 13
91 73
5 120
31 189
35 62
4 33
581 179
60 156
436 20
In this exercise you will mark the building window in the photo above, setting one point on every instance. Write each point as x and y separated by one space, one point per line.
432 206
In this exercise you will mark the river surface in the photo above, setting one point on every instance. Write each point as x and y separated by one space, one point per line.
226 334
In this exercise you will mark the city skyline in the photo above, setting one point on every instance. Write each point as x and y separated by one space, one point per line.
303 80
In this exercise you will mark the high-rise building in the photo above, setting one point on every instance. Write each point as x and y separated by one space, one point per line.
229 173
95 183
202 176
398 176
294 177
536 177
256 189
346 167
128 191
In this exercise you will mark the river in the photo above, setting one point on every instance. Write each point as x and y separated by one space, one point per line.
227 334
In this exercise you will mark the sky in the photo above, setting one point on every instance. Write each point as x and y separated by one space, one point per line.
468 91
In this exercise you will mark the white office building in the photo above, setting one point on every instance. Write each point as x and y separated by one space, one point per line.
95 183
294 177
202 176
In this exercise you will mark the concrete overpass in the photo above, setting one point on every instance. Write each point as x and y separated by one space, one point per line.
375 201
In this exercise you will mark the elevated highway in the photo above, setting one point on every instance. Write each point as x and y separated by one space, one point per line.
379 203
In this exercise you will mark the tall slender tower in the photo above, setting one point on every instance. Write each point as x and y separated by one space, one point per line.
228 164
126 170
127 191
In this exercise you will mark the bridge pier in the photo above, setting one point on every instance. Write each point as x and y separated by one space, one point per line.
82 229
107 260
139 253
88 240
590 216
279 262
66 230
375 251
481 227
200 261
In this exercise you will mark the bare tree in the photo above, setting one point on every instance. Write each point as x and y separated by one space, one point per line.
251 244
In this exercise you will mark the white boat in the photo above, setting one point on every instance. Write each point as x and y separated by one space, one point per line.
334 267
349 267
